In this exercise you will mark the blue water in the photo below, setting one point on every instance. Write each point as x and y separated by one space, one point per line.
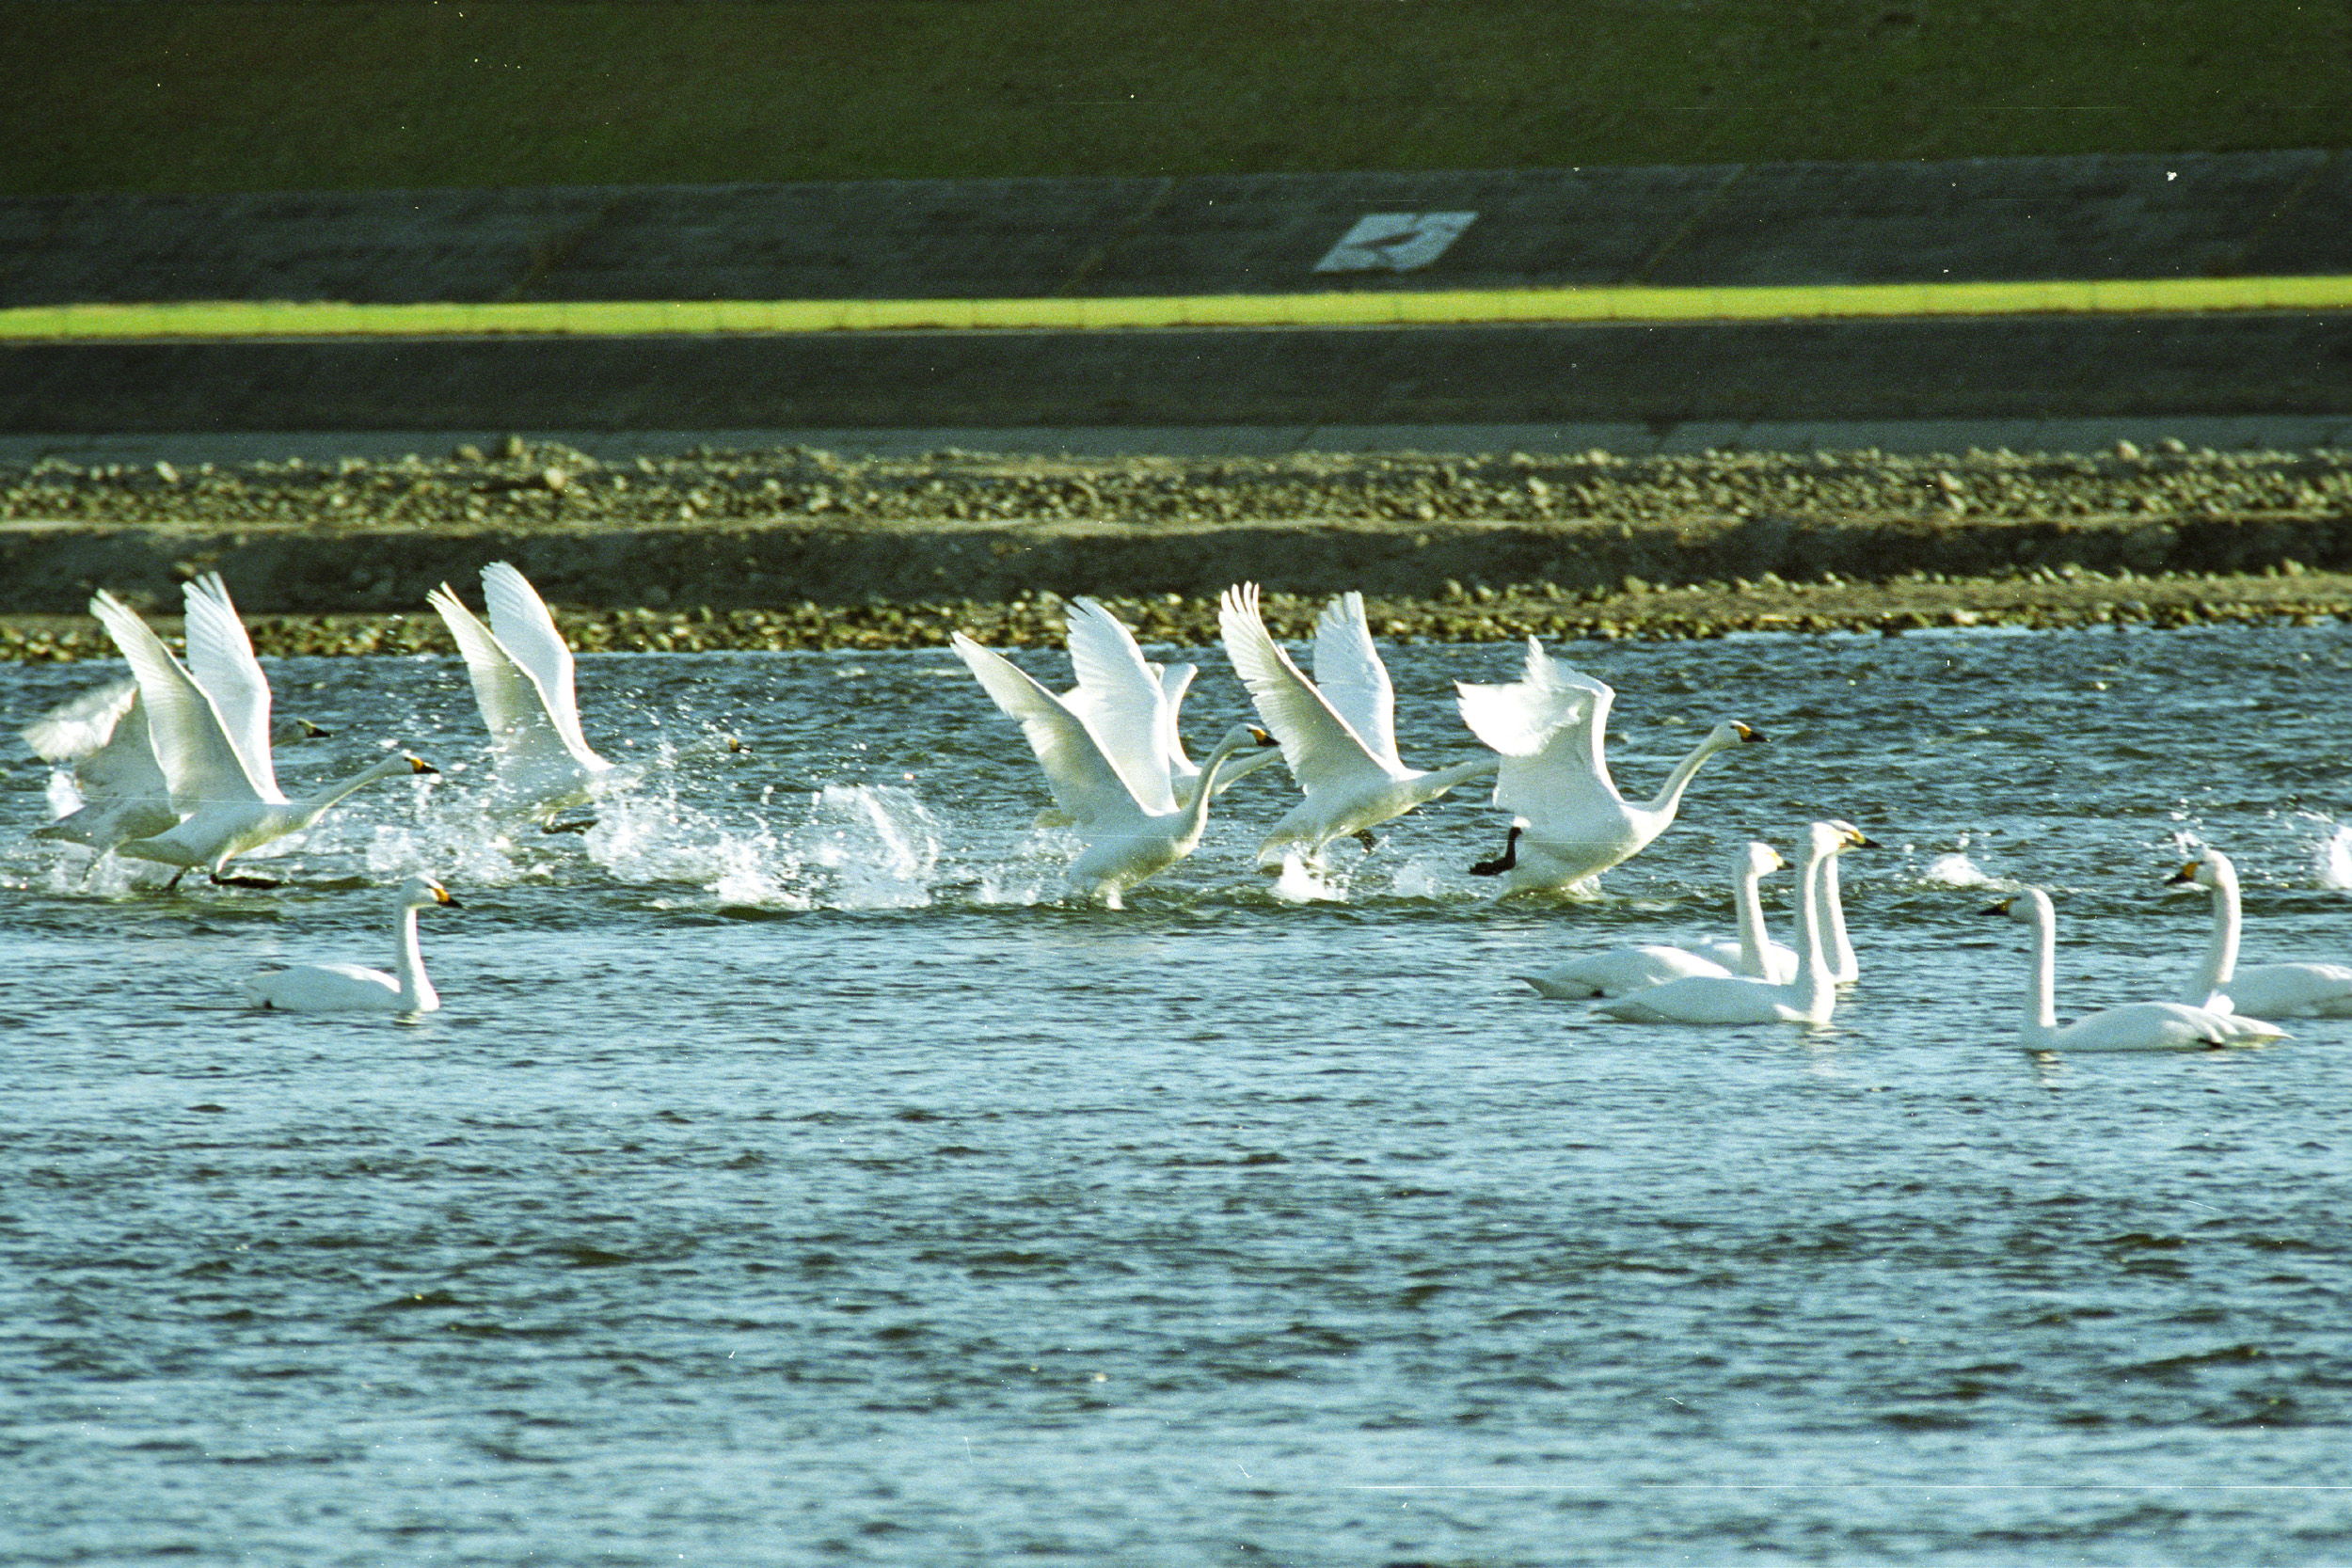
790 1179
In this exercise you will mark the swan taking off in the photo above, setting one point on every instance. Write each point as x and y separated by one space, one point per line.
211 735
1625 968
2134 1027
1739 999
352 988
100 743
522 681
1550 727
1128 704
1337 731
2263 990
1123 805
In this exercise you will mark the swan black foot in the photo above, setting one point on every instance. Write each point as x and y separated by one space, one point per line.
1502 863
219 881
1366 837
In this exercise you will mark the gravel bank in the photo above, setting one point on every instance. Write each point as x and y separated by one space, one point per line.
799 549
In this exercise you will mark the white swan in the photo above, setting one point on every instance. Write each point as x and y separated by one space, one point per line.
352 988
107 760
1128 816
2134 1027
211 740
1734 999
2263 991
1130 705
1845 966
522 681
1337 731
1624 969
1571 823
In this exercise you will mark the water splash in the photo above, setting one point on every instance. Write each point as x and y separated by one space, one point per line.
1954 870
1309 882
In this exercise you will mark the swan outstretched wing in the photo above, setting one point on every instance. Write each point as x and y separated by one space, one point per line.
527 631
513 709
1550 727
1119 699
1320 745
192 745
220 656
82 724
1090 791
1352 678
1175 680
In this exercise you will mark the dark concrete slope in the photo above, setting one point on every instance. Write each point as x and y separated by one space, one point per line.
2092 216
1953 368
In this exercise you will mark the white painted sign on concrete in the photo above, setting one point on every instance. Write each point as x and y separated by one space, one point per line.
1395 242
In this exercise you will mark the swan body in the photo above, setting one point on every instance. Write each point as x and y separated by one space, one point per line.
522 675
351 988
100 743
1625 968
1737 999
2263 990
1129 816
2134 1027
1337 731
1570 822
211 735
1130 705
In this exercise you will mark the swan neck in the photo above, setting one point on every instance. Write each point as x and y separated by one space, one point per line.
416 992
1843 963
1195 811
1669 796
2221 950
315 806
1813 976
1751 914
2041 991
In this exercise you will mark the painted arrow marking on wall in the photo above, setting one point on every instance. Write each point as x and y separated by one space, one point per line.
1395 242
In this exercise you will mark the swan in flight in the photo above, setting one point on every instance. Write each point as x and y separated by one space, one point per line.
2134 1027
1337 731
1743 999
99 741
1624 969
211 735
522 681
1125 806
352 988
1128 704
1571 824
2263 990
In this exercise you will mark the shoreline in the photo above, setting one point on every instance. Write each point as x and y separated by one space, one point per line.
796 548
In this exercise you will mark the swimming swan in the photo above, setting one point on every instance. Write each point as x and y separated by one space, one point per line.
211 740
2134 1027
1130 705
99 744
1845 967
1571 824
2263 990
1625 968
1337 731
350 988
1735 999
1129 816
522 681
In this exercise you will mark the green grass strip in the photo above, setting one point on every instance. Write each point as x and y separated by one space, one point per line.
243 319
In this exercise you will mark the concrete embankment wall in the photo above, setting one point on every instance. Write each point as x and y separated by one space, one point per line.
1787 226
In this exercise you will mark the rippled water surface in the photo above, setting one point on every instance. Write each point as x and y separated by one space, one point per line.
790 1179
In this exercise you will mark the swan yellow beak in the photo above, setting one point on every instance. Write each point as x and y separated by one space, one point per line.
2185 874
2001 908
418 765
1747 734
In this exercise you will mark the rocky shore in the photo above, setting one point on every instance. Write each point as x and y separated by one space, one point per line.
799 549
